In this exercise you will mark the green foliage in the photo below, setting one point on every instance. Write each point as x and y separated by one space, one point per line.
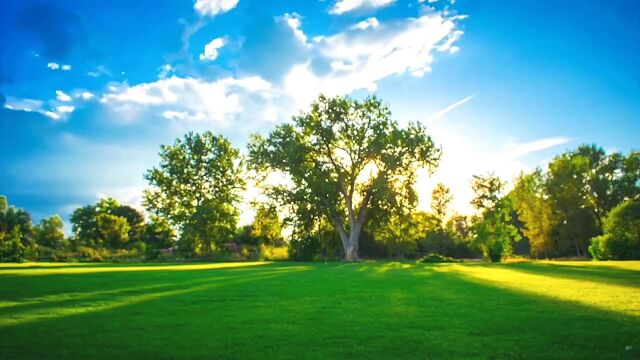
342 157
159 234
11 247
621 238
16 233
437 258
49 232
87 231
196 187
440 200
493 230
400 233
267 228
113 229
274 253
305 248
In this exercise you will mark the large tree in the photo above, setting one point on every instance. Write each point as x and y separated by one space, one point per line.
343 156
196 187
441 198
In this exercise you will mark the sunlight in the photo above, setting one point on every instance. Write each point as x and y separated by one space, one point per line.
601 295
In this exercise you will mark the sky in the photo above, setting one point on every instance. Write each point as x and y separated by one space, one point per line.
90 89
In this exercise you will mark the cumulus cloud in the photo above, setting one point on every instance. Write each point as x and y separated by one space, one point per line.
293 21
364 54
214 7
211 49
62 96
191 99
368 23
343 6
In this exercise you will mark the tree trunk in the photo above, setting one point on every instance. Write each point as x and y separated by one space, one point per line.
350 243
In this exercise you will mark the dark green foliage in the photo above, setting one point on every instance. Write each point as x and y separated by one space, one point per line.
304 249
437 258
159 234
621 238
16 233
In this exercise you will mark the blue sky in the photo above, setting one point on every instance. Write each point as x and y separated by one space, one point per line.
89 89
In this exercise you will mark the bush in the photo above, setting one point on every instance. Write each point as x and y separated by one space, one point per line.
437 258
274 253
621 238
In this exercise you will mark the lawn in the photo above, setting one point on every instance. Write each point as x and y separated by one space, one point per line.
369 310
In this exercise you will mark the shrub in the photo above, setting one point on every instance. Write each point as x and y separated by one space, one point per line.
621 238
274 253
437 258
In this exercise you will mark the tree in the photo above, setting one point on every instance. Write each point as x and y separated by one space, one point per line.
49 232
158 233
113 229
492 229
266 227
196 188
342 157
621 238
16 232
568 188
535 209
440 200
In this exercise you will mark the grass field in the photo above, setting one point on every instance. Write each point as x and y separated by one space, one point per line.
370 310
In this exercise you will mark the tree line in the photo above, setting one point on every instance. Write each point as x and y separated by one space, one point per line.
345 188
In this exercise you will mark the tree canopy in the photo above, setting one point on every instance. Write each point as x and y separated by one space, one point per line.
343 156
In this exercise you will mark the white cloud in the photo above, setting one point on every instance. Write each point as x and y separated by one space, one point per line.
214 7
362 55
293 21
61 96
85 95
440 113
343 6
31 105
55 66
177 98
211 49
368 23
63 109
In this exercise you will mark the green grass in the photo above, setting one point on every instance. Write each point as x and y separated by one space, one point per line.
370 310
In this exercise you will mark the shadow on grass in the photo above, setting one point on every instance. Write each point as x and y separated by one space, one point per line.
356 311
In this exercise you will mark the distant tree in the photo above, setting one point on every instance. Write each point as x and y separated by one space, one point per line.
493 229
341 157
568 188
135 219
535 209
621 238
49 232
196 188
401 233
159 234
267 227
85 226
113 229
440 201
16 232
